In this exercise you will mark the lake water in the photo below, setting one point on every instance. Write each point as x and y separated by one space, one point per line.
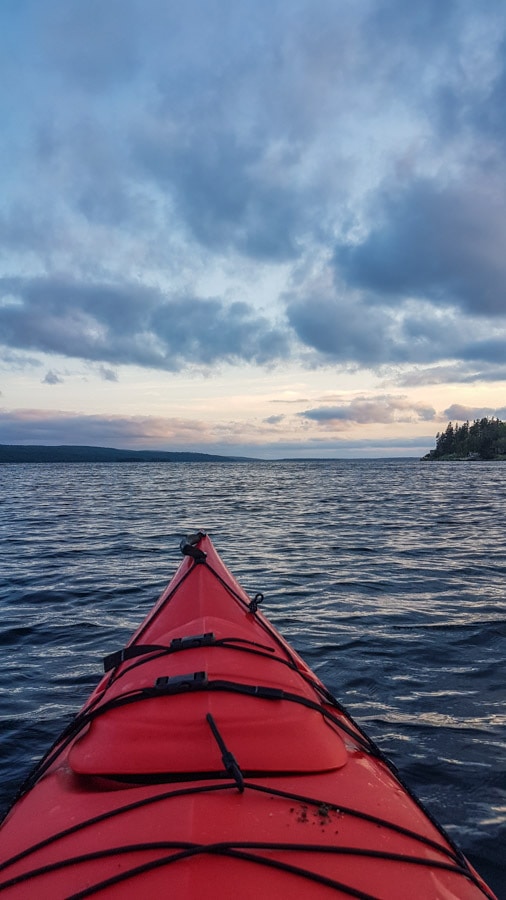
389 578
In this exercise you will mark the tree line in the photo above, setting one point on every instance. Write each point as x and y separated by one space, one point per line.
484 439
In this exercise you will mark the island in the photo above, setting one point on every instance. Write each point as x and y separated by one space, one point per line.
31 453
485 439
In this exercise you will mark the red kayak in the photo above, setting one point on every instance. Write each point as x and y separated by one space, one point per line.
210 762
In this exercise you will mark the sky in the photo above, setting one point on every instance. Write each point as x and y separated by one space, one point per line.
270 228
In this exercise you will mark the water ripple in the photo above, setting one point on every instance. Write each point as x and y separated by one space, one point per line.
388 577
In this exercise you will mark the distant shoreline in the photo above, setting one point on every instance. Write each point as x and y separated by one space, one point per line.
451 457
41 453
21 453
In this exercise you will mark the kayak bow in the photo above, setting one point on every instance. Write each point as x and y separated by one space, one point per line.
211 762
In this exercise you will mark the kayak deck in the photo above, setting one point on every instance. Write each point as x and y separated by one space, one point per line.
211 761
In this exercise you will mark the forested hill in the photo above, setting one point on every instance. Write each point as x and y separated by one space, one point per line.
484 439
20 453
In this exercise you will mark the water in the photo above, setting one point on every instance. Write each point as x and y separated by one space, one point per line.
389 577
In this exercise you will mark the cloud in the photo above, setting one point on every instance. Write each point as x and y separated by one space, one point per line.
437 242
335 323
383 409
274 420
459 413
457 373
289 401
208 331
12 361
107 374
52 377
132 324
57 427
229 193
489 349
350 326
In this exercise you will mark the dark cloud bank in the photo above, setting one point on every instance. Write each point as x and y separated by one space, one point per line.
129 324
438 243
171 140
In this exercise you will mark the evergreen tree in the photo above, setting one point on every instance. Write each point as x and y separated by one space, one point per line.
485 438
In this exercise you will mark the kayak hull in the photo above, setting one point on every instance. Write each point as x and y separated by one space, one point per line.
211 762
